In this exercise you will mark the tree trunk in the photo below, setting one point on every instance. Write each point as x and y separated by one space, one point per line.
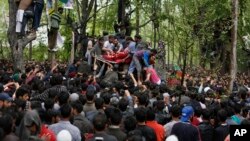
94 18
16 45
86 9
233 68
72 52
30 51
137 16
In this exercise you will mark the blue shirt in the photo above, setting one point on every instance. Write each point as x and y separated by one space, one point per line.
66 125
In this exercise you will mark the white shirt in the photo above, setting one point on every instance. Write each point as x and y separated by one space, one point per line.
108 45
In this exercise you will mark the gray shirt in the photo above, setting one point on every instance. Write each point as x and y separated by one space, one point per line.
66 125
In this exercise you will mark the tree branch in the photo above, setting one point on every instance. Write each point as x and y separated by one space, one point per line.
144 24
98 10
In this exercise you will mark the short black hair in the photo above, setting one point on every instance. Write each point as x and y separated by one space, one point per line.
90 95
142 99
48 104
222 115
115 116
140 114
65 110
130 123
56 79
99 102
123 104
63 97
206 114
176 111
100 121
21 91
150 114
78 106
6 123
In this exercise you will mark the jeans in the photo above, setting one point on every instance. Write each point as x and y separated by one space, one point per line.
38 10
135 64
28 14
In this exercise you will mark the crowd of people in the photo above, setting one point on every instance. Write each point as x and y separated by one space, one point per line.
115 94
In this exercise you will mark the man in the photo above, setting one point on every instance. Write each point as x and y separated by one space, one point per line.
81 122
64 123
159 130
144 56
89 107
100 123
175 112
5 100
108 46
205 128
223 129
152 76
145 130
114 129
184 130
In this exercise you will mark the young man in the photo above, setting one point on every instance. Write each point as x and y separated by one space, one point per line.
144 56
114 129
5 100
176 113
100 123
159 130
191 132
66 113
152 76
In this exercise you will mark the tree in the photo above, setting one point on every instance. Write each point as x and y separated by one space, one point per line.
17 45
233 66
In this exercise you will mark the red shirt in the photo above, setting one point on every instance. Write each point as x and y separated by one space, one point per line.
47 132
159 130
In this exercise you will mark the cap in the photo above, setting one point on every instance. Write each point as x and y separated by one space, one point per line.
187 112
64 135
165 94
5 96
206 89
172 138
74 97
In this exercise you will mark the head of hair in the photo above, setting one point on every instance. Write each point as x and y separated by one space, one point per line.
176 111
21 91
66 110
48 103
6 123
115 116
206 114
141 114
56 79
99 102
90 95
222 115
77 106
63 97
123 104
100 121
142 99
150 114
130 123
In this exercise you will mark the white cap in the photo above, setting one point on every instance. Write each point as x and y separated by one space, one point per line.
74 97
206 89
165 94
172 138
64 135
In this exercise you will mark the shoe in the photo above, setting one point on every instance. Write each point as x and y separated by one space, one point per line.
54 49
32 35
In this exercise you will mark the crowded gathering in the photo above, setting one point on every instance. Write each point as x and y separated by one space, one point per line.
119 86
114 93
